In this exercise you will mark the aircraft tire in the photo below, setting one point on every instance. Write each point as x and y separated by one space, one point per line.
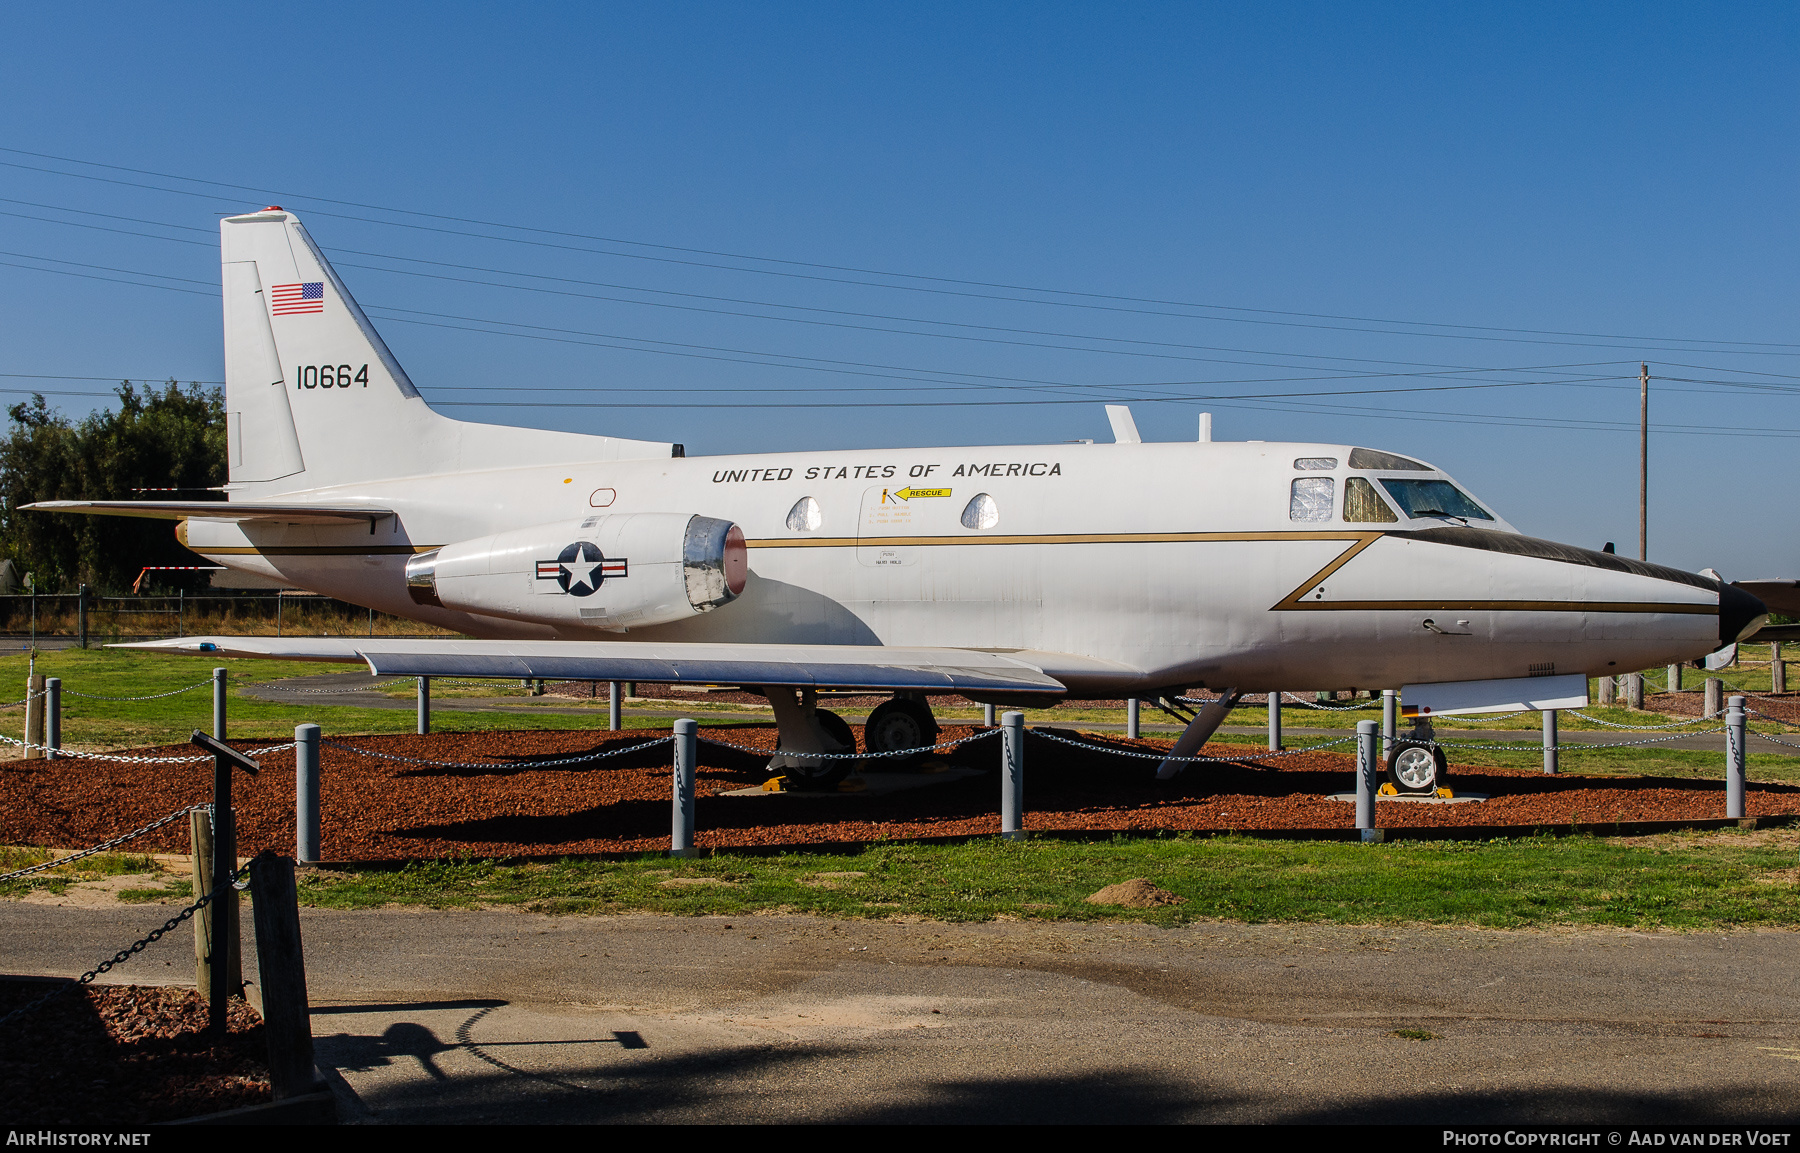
825 773
1416 768
899 723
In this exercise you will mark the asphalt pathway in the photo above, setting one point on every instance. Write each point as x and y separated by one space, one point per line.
501 1016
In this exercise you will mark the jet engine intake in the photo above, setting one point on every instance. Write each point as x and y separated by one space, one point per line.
615 573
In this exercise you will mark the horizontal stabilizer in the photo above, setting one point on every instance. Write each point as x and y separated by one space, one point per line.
220 510
806 666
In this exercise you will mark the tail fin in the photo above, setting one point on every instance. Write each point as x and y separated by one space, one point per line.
315 398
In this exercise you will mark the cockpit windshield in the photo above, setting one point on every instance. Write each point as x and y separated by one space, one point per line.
1433 498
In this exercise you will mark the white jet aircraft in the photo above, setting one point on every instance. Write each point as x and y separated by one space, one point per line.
1013 574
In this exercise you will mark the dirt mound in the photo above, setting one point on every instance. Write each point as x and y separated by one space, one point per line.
1136 893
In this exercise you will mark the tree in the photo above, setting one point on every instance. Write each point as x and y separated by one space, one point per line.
156 439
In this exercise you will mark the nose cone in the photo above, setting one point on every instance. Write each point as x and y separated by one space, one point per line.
1740 614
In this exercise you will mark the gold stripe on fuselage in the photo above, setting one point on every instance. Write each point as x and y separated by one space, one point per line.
1358 541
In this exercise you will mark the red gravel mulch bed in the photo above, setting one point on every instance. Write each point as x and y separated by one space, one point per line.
1779 706
376 810
118 1056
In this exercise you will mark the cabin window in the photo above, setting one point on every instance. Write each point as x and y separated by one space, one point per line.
1311 498
804 516
1362 504
1369 458
1316 463
981 512
1418 498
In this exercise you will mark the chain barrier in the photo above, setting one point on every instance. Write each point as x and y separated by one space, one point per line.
1371 703
105 845
128 952
853 756
1260 756
574 760
151 697
1786 724
366 688
115 757
1775 740
1643 728
1523 746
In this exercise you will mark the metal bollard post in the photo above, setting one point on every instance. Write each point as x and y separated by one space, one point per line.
987 715
1715 696
1275 722
81 602
1131 718
424 705
1012 775
1550 740
219 708
613 701
1735 757
681 830
52 716
1365 778
306 794
1390 721
1674 678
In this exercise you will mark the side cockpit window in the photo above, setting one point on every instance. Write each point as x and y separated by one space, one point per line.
1363 505
1310 499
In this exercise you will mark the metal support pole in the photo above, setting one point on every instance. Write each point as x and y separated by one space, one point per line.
613 700
1777 669
1550 740
1012 775
306 794
34 717
424 705
1734 759
681 829
1275 722
987 715
1715 696
81 600
1365 778
1131 718
1390 721
219 706
52 716
1674 678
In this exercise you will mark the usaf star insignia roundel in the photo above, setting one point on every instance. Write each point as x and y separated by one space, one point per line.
580 569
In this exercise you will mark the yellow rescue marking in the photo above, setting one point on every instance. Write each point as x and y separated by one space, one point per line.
920 493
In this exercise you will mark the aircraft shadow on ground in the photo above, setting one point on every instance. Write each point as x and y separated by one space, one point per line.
731 1085
597 754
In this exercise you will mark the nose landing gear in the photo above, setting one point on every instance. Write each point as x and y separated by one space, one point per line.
1416 764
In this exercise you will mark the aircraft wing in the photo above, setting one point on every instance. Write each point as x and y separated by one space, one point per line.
1782 596
814 666
220 510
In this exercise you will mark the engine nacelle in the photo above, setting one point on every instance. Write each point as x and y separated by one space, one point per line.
616 572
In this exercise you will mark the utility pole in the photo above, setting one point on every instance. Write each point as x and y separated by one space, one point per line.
1644 461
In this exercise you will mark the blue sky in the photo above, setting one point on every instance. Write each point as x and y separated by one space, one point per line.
946 207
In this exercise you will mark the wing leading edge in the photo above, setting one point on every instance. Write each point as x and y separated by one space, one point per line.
219 510
805 666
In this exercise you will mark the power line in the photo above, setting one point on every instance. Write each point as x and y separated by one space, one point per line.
1451 331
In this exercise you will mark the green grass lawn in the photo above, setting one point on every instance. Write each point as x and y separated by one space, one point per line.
1680 881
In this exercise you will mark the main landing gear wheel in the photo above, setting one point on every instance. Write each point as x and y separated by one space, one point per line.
1416 768
820 774
899 724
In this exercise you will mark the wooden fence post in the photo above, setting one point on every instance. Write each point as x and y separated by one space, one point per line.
281 966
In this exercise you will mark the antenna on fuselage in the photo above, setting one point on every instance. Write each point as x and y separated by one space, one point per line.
1206 428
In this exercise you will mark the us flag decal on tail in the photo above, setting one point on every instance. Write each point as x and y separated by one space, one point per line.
292 299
